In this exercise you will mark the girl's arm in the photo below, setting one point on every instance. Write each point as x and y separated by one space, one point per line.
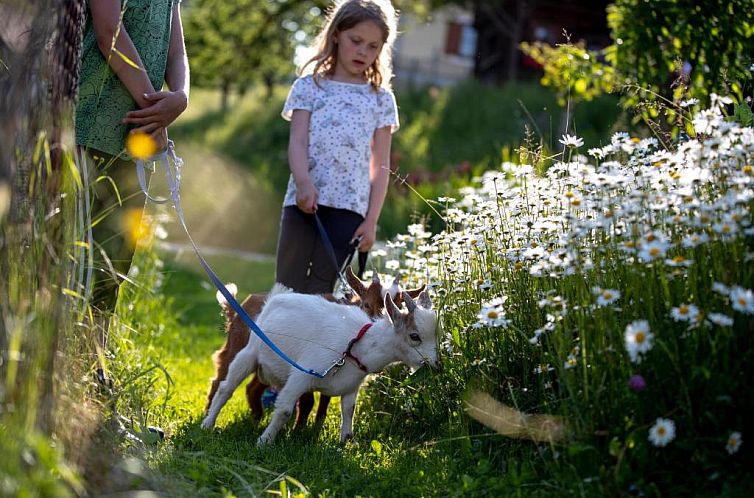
106 21
379 175
298 160
165 107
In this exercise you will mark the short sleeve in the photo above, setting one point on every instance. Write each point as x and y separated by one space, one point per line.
387 111
301 96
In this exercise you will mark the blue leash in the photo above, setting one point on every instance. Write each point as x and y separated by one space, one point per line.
173 177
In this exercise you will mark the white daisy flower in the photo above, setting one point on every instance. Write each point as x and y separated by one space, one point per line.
653 250
742 300
606 296
393 264
662 432
571 141
721 288
571 362
734 442
720 319
638 339
678 261
685 313
689 102
492 316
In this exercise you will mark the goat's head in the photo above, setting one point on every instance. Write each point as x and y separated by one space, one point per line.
417 329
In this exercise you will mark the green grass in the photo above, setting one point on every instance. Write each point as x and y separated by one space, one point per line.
194 462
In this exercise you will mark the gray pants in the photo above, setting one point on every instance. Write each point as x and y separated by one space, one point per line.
303 262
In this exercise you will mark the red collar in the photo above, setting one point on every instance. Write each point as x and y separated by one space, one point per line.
356 339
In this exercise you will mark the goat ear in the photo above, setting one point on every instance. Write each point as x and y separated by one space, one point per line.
410 304
393 312
356 284
424 300
416 292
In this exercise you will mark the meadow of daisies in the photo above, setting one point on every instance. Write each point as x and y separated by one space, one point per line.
610 296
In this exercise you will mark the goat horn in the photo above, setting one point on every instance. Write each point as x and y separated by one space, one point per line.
410 304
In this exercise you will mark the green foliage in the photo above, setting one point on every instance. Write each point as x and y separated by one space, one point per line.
654 39
246 41
575 72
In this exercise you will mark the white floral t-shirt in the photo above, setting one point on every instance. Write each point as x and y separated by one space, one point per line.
344 117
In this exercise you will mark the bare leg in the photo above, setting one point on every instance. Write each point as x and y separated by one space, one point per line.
242 365
297 385
347 406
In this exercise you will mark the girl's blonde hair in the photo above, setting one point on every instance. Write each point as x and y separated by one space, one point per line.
344 15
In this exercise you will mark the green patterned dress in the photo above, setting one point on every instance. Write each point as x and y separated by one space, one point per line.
103 99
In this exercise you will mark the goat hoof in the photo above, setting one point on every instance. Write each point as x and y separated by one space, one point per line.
346 437
263 442
207 424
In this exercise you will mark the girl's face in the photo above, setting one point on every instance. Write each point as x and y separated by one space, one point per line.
358 48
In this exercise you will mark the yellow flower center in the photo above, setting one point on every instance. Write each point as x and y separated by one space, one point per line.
607 295
683 309
569 194
640 337
654 251
679 259
661 431
650 238
575 202
742 301
748 169
635 140
492 314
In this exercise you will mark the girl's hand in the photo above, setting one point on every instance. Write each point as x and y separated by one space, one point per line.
368 233
306 196
164 109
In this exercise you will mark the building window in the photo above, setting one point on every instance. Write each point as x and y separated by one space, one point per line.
461 40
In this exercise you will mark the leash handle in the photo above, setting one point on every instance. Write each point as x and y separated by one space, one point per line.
173 178
330 249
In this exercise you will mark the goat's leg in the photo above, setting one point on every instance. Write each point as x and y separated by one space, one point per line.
254 391
347 407
305 405
284 406
324 402
242 365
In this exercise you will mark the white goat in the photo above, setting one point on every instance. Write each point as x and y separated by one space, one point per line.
315 333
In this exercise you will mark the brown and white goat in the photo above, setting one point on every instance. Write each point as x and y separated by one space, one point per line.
368 297
297 322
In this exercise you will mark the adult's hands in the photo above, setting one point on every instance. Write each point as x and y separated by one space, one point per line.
164 109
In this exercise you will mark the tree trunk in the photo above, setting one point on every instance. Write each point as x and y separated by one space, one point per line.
225 93
41 42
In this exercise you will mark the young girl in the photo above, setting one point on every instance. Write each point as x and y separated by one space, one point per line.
342 115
